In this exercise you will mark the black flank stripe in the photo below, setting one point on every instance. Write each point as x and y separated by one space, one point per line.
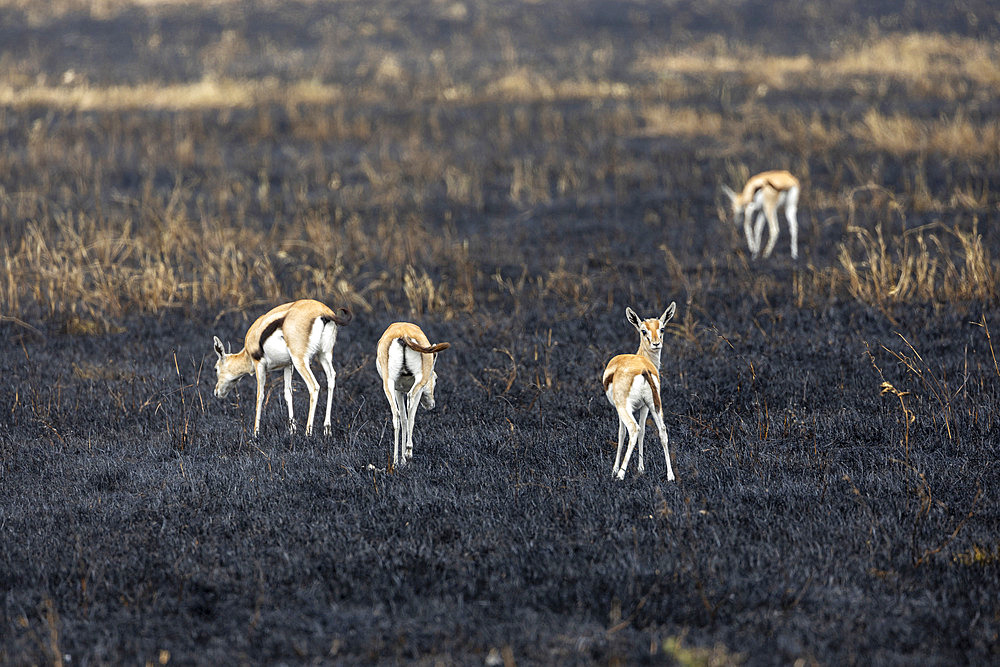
264 335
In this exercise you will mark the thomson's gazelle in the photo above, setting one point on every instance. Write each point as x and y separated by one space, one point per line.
632 383
763 195
288 336
405 362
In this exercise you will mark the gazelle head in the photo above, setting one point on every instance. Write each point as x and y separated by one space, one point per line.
227 369
427 399
736 204
651 330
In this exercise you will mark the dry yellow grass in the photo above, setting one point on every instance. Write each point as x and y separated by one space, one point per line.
955 136
524 84
668 120
934 263
931 63
204 94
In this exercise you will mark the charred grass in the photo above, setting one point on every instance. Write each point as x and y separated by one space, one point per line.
510 176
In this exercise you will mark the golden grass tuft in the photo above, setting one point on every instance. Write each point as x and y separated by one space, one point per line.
928 63
209 93
934 262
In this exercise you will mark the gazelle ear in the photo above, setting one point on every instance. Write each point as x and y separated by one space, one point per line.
219 349
668 314
633 318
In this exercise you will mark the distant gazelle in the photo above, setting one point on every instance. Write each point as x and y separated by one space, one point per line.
763 195
632 383
405 362
286 337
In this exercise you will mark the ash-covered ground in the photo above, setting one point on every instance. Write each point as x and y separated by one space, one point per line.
836 498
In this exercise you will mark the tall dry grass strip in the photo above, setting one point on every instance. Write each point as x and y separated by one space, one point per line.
933 262
931 64
209 93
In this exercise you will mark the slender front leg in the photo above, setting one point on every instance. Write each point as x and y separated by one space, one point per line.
793 229
288 399
260 370
331 380
643 413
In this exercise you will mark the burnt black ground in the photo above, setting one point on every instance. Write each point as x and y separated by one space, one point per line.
138 516
137 504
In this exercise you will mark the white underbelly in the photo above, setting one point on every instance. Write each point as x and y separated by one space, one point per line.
276 354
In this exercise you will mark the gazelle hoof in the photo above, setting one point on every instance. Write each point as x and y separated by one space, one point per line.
327 430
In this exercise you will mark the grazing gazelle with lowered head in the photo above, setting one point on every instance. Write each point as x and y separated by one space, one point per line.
405 362
764 194
632 384
286 337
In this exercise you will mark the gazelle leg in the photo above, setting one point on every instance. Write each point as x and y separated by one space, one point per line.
793 229
621 447
412 403
302 366
261 373
771 213
326 360
288 399
643 413
402 409
748 217
633 435
758 232
394 409
662 430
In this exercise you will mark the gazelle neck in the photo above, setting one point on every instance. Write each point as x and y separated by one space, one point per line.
240 362
647 351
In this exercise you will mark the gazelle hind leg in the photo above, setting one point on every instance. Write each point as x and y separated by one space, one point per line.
772 227
662 430
758 232
412 403
288 399
633 435
748 223
326 360
621 447
643 413
394 409
312 384
404 426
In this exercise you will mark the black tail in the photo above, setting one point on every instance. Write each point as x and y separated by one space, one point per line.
414 345
343 319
